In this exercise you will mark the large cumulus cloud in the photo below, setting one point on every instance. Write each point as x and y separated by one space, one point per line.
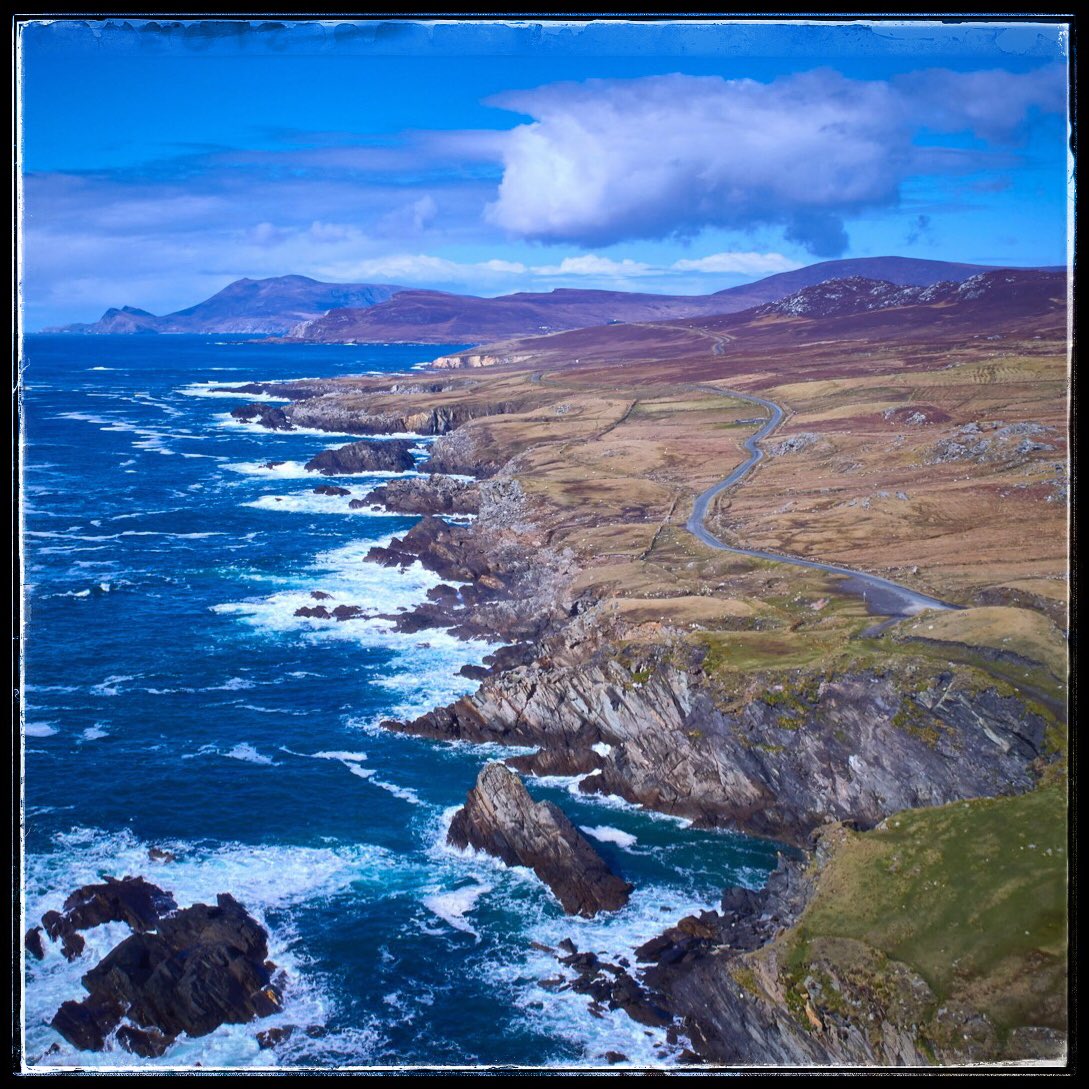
610 160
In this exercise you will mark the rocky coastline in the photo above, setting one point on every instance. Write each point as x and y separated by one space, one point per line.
806 760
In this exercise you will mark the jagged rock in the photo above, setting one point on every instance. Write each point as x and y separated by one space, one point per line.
147 1043
320 595
270 1038
501 818
331 489
556 762
430 495
86 1024
611 986
33 943
794 444
72 944
386 455
200 967
347 612
131 900
157 854
268 416
314 612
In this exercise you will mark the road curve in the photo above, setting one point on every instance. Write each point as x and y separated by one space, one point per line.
882 596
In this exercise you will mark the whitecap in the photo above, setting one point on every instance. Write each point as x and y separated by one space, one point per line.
604 834
246 752
225 419
406 794
452 907
296 470
110 686
39 729
94 733
208 389
309 503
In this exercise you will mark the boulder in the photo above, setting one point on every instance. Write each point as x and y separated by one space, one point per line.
33 943
384 455
331 489
268 416
501 818
147 1043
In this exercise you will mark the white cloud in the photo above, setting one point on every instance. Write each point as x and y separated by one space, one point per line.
592 265
745 263
610 160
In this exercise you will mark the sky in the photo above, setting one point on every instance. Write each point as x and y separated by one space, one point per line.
162 160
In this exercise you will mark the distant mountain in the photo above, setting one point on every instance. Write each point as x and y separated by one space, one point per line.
434 317
273 306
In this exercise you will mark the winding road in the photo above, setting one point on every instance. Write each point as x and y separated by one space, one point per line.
882 596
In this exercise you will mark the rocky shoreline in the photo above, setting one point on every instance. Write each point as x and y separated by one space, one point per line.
796 758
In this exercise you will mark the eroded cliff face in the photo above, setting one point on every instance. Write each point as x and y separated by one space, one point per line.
854 747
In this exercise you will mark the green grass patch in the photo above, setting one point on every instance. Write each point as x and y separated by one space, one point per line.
972 896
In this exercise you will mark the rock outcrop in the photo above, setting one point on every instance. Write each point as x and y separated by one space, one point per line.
270 416
430 495
386 455
182 971
500 817
779 763
131 900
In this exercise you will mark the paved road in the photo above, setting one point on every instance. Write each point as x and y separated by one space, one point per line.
882 596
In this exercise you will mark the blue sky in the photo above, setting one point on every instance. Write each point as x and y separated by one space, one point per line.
163 160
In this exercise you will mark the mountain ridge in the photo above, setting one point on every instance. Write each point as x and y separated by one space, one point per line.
300 308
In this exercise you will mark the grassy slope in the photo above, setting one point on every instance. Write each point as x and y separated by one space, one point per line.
971 896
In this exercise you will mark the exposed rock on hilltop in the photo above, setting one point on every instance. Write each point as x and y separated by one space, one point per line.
856 294
386 455
501 818
994 441
186 971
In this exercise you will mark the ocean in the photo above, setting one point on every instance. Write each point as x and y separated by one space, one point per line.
173 700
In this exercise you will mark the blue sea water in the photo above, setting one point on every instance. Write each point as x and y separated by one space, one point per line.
172 699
